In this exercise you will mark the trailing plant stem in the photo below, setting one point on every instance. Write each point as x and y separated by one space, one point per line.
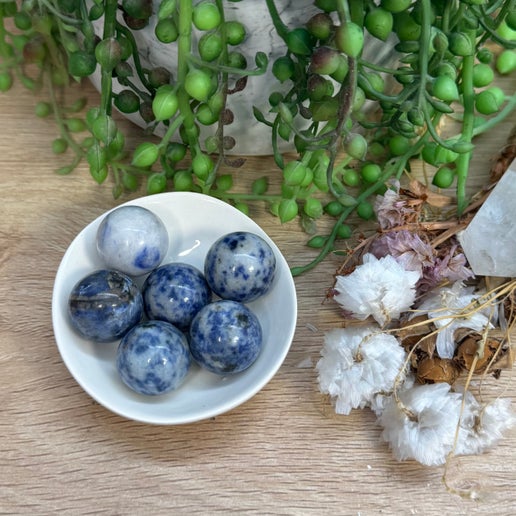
393 169
468 124
280 27
424 42
346 95
136 56
183 51
106 79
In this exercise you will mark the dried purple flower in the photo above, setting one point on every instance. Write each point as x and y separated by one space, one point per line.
406 247
390 210
449 267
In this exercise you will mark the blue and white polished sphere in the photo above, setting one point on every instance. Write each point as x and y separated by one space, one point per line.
175 292
225 337
153 358
240 266
132 239
105 305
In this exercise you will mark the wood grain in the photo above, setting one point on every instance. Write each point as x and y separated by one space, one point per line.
283 452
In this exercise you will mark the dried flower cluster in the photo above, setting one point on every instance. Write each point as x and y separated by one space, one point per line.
380 288
424 328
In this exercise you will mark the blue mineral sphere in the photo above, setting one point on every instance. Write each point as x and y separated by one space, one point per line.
240 266
132 239
153 358
104 305
175 292
225 337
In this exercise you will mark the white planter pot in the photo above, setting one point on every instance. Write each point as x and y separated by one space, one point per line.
252 137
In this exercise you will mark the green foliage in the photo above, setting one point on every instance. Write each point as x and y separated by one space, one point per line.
449 55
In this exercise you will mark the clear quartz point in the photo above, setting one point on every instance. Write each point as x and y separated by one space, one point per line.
489 241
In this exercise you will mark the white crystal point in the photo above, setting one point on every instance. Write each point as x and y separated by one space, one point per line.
489 241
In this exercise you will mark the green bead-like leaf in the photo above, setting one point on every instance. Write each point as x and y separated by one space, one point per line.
260 116
320 26
166 9
365 210
325 109
287 210
347 200
461 44
116 146
145 155
63 171
165 103
104 129
283 68
206 15
156 183
261 60
317 242
285 113
300 41
224 182
325 60
313 208
260 186
349 39
445 89
176 151
108 53
183 181
202 165
81 63
344 231
379 23
130 181
198 85
463 147
489 101
100 174
506 62
356 146
294 173
96 158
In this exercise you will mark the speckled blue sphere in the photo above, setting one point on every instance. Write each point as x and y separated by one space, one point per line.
105 305
132 239
175 292
225 337
153 358
240 266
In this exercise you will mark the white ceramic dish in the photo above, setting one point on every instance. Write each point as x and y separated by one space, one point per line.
194 222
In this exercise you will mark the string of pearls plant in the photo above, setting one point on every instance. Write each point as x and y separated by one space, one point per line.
447 56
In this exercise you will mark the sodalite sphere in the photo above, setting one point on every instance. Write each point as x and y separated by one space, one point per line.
105 305
175 292
132 239
153 358
225 337
240 266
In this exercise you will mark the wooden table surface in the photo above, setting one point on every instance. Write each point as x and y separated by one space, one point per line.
282 452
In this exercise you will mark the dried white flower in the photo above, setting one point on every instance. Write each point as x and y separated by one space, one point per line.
453 302
483 426
422 424
380 400
356 364
379 287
